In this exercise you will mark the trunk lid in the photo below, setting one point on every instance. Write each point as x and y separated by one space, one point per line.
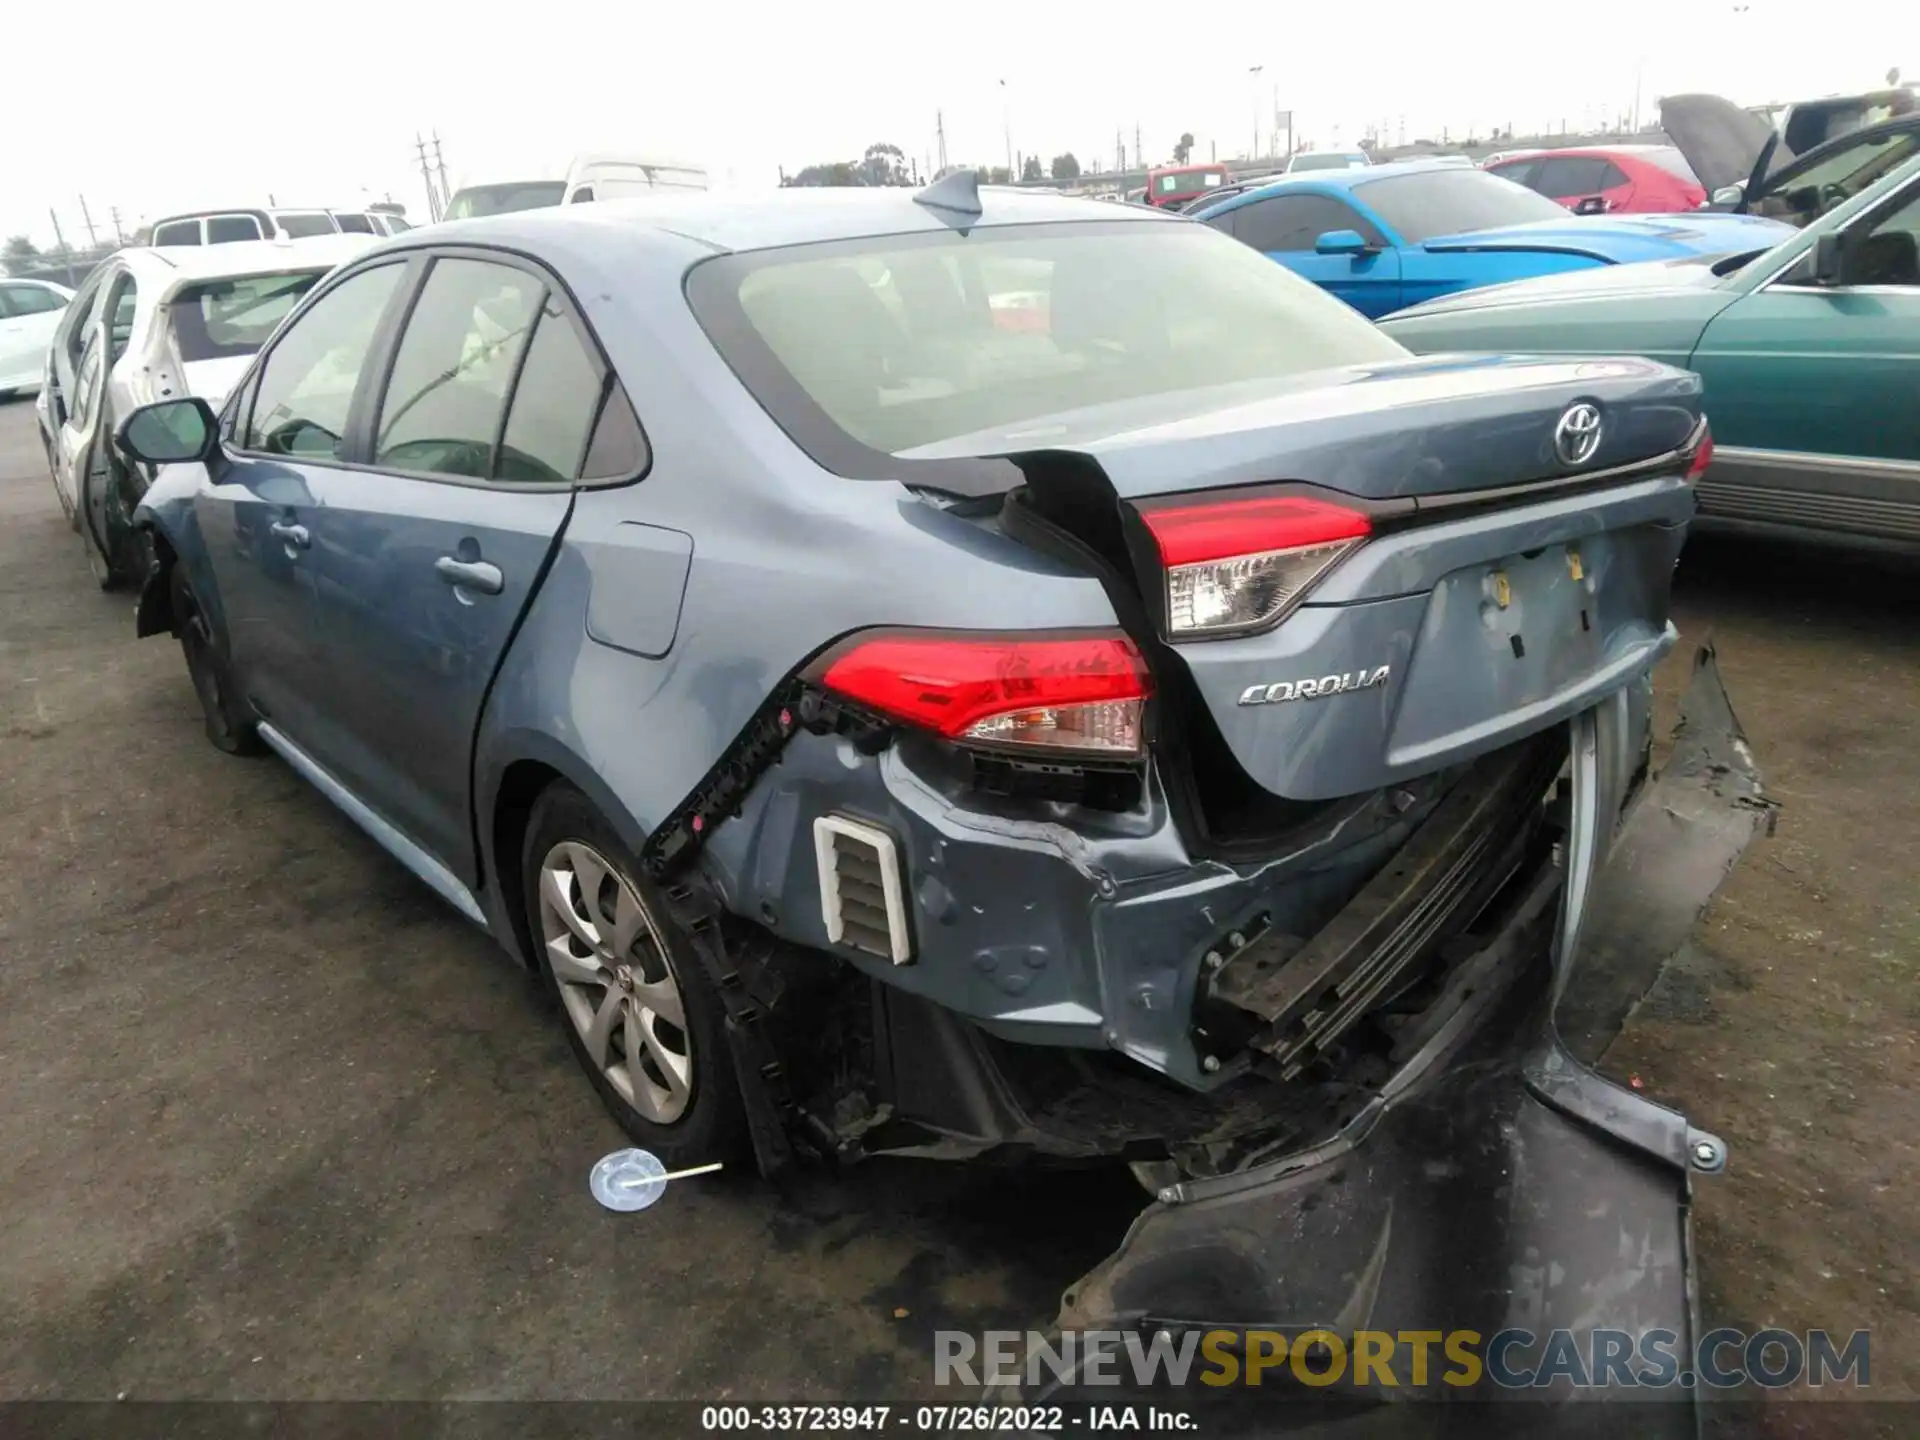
1503 587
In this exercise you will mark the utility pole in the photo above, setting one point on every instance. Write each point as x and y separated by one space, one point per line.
426 176
119 235
1139 158
1006 121
93 240
940 137
440 164
60 241
1253 72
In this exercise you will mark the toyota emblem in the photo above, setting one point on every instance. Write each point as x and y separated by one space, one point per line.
1577 435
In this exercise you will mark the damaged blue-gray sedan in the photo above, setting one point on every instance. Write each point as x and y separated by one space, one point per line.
929 673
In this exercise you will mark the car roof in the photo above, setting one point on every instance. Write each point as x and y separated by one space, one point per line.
172 264
722 220
1340 179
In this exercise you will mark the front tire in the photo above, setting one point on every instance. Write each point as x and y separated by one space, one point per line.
230 728
640 1014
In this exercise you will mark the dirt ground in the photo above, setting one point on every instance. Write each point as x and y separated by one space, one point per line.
277 1124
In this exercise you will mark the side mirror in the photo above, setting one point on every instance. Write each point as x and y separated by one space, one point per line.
1590 205
169 433
1728 195
1829 258
1342 242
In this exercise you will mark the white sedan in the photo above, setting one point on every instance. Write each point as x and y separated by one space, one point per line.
30 311
158 324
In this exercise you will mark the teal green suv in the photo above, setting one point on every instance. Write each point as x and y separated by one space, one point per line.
1810 354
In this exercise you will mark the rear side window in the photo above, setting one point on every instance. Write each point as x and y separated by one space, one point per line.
553 406
225 319
306 384
1521 172
953 347
447 395
354 224
227 229
177 232
301 227
19 300
1576 175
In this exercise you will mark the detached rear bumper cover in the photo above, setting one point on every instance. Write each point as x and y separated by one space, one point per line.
1497 1183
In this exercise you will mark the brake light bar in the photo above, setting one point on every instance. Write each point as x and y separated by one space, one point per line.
1239 565
1084 694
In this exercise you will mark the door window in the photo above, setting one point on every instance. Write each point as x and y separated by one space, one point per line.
86 386
306 385
1889 253
582 196
119 309
304 225
1294 222
354 224
1521 172
441 414
177 232
18 300
227 229
553 406
1564 178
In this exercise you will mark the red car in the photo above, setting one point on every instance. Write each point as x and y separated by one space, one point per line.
1615 179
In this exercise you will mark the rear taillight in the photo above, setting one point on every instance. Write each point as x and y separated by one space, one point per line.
1239 565
1084 694
1702 455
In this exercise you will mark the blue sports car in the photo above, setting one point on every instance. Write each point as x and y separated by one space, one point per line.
1389 236
928 672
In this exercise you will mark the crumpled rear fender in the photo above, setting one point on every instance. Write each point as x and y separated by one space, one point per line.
1495 1183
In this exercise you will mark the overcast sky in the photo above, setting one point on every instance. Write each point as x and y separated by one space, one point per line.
215 102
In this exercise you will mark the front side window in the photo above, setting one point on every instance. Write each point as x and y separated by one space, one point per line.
224 319
122 302
1452 202
86 386
1294 222
232 229
1521 172
306 385
878 348
455 363
353 224
1573 175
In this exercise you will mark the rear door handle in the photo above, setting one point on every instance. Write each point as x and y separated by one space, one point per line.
294 535
471 574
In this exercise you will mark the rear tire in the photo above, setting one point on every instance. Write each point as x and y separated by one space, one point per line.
230 728
640 1014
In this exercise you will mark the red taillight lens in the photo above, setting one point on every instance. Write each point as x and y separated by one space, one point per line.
1083 693
1242 564
1702 455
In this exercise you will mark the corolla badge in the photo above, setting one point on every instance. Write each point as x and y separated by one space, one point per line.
1577 435
1283 690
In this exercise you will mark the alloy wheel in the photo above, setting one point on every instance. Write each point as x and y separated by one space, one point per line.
615 981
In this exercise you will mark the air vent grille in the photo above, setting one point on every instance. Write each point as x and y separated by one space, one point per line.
861 896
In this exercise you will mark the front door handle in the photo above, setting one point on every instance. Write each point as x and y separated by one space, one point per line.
295 535
471 574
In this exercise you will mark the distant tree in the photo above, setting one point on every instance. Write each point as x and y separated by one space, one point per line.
998 175
20 253
840 172
1065 167
1030 168
884 164
1185 148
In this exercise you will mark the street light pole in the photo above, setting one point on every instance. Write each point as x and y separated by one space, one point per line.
1254 72
1006 121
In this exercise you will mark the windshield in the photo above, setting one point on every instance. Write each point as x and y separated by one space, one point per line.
222 319
1452 201
1325 160
893 344
505 199
1804 196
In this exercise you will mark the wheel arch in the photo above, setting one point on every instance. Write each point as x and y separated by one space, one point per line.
524 767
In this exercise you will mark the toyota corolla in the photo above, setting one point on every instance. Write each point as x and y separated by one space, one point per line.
1167 730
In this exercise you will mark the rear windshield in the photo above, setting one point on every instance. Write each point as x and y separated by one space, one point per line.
1671 161
1451 201
222 319
505 199
1185 182
868 349
1323 161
